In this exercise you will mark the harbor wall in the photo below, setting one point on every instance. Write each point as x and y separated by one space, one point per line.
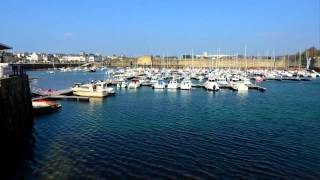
201 63
317 64
16 120
221 63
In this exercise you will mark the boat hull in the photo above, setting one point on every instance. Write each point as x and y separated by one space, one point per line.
90 94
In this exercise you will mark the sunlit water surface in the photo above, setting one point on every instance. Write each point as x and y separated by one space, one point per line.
147 133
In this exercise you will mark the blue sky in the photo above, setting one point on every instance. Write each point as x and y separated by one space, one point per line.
174 27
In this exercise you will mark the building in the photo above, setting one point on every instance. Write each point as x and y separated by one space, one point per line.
34 57
144 60
4 67
74 58
82 53
205 55
95 58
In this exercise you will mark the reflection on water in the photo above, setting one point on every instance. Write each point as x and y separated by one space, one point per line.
242 93
97 101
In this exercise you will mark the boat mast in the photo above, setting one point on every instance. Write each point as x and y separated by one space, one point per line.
299 59
245 56
274 60
192 59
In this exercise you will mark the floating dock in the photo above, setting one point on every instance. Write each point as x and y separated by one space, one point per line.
252 86
289 79
58 97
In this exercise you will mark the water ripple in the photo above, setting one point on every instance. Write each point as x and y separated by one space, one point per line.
146 134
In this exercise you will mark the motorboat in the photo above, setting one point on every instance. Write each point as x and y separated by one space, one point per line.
44 106
51 72
124 84
222 81
135 83
186 84
247 81
93 89
173 84
93 69
200 78
211 85
153 80
160 84
239 86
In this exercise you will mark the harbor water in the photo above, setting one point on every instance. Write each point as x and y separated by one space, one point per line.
147 134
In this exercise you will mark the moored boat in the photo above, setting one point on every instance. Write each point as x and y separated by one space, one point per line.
94 89
44 106
211 85
160 84
173 84
186 84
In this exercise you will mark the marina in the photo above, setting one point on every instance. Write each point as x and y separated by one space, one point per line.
103 90
147 128
112 79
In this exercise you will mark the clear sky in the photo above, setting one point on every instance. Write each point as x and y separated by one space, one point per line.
136 27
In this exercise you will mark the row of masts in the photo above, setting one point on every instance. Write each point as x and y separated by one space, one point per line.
166 61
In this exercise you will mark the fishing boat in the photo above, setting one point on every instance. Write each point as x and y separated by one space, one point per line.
93 89
211 85
44 106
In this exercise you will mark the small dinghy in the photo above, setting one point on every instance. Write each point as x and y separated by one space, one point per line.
45 106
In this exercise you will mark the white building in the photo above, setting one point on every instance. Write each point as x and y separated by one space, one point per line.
74 58
213 56
95 58
21 55
44 57
34 57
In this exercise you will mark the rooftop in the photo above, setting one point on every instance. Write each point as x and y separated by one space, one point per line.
4 47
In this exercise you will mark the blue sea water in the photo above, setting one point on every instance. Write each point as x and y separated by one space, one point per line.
164 134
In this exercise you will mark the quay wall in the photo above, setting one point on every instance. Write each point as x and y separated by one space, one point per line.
16 119
201 63
222 63
317 64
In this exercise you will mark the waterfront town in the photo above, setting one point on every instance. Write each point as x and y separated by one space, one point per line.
201 60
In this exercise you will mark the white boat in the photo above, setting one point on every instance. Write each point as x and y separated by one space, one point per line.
153 80
247 81
314 74
173 84
124 84
135 83
186 84
93 69
211 85
160 84
45 106
200 78
239 86
95 89
222 81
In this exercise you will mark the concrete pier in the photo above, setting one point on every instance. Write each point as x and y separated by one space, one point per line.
16 121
